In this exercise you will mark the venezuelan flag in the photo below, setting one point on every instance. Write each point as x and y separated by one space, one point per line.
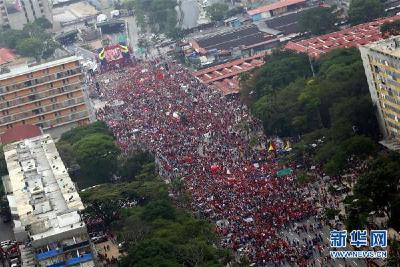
124 48
102 54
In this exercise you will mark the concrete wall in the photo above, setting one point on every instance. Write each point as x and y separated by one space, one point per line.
372 88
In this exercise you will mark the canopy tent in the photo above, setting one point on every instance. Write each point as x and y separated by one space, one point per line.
284 172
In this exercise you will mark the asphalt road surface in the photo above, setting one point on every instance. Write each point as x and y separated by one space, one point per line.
6 232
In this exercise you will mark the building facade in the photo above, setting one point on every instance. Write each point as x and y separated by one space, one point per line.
382 67
15 14
45 206
275 9
48 95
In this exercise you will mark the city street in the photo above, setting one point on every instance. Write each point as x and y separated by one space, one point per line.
6 232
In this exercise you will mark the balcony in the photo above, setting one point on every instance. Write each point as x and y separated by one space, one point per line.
39 80
41 96
52 253
44 110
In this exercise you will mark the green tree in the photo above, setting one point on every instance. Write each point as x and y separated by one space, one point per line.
161 209
318 20
76 134
390 28
156 232
136 163
97 155
66 153
11 38
361 11
281 68
49 48
34 40
217 11
43 23
30 47
152 253
377 190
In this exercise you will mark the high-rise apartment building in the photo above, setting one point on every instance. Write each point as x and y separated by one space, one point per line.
15 14
382 67
48 95
45 206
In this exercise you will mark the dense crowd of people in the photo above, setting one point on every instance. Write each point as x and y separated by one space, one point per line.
213 144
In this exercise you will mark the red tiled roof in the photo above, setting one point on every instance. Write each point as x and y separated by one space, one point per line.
228 86
225 76
351 37
20 132
280 4
6 55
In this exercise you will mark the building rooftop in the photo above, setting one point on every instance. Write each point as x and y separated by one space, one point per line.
274 6
244 36
26 68
74 12
351 37
287 23
6 55
225 76
43 196
20 132
389 46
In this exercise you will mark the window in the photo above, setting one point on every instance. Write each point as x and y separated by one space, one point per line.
53 100
41 118
37 111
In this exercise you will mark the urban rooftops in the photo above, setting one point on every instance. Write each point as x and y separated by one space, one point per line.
42 197
21 69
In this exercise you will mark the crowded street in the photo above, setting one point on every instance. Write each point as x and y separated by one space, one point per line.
229 168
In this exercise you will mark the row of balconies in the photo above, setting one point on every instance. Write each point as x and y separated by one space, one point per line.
39 80
63 120
41 110
40 96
